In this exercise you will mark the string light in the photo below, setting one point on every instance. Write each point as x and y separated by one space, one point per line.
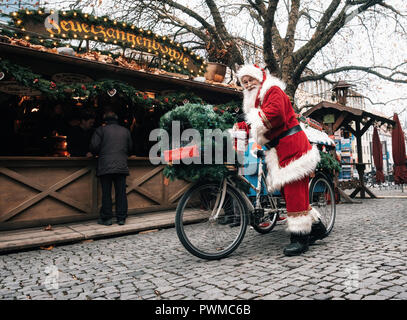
181 48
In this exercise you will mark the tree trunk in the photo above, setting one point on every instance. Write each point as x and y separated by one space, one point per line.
287 75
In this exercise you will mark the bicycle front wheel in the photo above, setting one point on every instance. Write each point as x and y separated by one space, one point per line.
209 225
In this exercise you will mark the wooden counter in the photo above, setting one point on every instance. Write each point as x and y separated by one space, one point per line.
37 191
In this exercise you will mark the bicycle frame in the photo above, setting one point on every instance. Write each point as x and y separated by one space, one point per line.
261 178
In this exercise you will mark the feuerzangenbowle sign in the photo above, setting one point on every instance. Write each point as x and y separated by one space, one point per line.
78 25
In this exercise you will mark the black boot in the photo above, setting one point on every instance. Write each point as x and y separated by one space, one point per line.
318 232
298 245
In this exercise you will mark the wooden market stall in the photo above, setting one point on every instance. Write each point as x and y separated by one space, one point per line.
40 190
334 116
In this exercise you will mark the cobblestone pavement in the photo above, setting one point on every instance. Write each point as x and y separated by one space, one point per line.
363 258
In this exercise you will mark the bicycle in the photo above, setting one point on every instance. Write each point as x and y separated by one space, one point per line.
212 218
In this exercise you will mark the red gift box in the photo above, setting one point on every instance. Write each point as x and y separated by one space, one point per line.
181 153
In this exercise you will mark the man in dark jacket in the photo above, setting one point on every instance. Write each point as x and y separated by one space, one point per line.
112 143
78 137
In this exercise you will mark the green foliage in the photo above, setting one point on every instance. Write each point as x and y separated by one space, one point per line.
60 91
199 117
196 172
328 163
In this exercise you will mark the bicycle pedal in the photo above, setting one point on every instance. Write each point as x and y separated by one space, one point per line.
264 224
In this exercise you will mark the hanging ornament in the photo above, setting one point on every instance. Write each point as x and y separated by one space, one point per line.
2 75
112 92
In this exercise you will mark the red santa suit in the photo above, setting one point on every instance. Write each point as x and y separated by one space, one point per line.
269 114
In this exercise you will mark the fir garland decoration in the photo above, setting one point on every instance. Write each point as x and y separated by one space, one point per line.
199 117
61 91
328 163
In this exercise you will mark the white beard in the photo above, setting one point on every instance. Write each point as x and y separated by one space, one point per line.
249 98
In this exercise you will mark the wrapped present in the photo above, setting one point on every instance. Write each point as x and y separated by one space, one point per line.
187 152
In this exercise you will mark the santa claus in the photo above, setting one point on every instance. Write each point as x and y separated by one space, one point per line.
290 159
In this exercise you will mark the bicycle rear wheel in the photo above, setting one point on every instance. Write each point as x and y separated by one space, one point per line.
202 231
322 198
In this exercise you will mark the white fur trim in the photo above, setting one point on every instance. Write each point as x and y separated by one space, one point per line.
297 169
271 81
250 70
257 127
315 215
299 225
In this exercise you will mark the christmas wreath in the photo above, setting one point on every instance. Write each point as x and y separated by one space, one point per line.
328 163
200 117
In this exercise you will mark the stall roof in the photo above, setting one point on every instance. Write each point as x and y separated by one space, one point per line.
47 63
344 113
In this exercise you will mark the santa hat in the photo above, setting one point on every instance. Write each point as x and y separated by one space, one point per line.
253 71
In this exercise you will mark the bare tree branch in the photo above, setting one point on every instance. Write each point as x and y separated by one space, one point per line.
359 68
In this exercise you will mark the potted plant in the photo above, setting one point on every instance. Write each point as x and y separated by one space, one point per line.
218 56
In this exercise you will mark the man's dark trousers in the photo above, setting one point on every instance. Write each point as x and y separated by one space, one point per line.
119 181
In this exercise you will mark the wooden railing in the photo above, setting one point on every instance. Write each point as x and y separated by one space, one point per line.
39 191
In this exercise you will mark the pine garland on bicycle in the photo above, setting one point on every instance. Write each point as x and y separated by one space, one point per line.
290 159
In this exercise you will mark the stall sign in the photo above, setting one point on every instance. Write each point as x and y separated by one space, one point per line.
71 78
74 25
14 88
329 118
